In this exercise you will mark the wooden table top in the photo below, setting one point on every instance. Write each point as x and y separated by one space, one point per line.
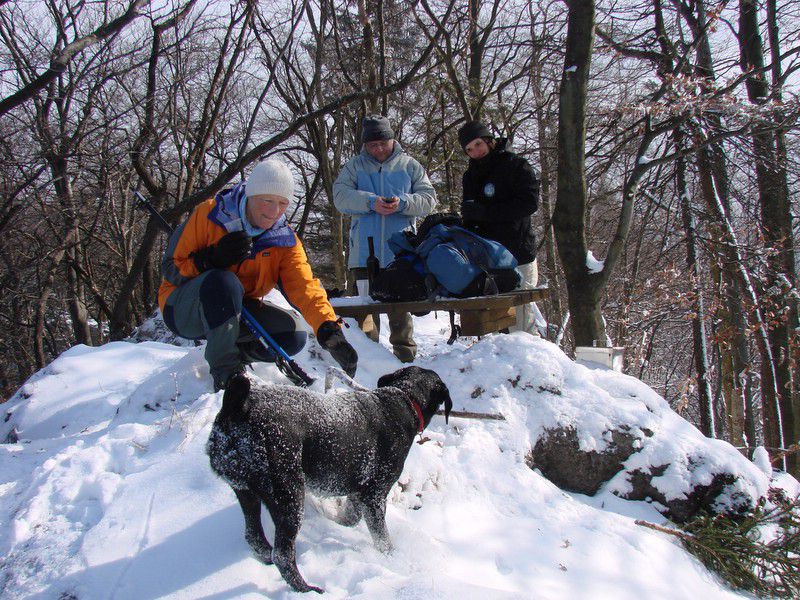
352 306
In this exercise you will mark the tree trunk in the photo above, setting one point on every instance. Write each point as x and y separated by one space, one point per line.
120 319
585 302
546 167
45 290
475 60
76 302
76 306
736 374
369 55
789 264
570 214
735 356
704 396
776 220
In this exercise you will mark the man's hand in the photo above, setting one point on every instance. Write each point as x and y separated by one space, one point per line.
233 248
387 206
331 338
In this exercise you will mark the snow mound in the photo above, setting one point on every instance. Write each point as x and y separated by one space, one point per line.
547 394
106 492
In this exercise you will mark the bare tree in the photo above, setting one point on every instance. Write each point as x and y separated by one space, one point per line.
33 79
776 221
584 289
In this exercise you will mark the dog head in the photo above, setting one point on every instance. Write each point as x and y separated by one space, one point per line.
424 386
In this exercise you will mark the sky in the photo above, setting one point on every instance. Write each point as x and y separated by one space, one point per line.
108 492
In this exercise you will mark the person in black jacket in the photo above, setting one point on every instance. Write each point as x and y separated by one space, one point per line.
501 193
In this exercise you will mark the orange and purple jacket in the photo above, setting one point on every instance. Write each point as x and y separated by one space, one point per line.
277 256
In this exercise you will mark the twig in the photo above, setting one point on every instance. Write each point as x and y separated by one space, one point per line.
474 415
780 452
676 532
793 449
335 372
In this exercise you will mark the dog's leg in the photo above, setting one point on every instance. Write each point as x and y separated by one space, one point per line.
285 505
254 532
375 516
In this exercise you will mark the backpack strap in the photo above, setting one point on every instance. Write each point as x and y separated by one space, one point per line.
489 285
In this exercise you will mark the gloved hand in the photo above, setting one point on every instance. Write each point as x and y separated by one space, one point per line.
472 211
331 338
234 247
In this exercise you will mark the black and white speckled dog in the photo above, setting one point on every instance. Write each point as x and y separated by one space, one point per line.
269 443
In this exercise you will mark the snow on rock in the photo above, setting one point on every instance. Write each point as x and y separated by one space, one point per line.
106 491
155 330
586 428
761 460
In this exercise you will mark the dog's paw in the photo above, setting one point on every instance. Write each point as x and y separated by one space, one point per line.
302 586
384 546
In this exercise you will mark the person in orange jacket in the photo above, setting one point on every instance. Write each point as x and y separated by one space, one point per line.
233 250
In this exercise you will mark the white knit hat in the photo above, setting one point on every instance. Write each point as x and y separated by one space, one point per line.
271 176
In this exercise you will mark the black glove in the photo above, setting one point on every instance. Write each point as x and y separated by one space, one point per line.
472 211
234 247
331 338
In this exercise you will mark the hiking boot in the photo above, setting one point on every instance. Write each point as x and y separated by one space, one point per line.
404 354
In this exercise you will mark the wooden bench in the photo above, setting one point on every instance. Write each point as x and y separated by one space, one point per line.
478 315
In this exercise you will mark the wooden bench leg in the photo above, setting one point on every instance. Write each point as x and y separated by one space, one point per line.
481 322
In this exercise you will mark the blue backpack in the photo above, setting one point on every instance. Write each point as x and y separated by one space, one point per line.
456 262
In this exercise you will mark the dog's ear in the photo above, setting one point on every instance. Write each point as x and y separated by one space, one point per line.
423 384
402 378
234 400
387 380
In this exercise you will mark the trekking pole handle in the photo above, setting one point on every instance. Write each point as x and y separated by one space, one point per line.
146 204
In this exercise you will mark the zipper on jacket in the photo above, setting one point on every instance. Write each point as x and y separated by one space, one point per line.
383 220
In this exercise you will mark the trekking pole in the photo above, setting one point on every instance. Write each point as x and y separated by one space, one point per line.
283 361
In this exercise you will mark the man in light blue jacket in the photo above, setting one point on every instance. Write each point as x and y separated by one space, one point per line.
383 190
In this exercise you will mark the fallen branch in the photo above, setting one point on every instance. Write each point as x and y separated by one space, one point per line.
737 550
474 415
676 532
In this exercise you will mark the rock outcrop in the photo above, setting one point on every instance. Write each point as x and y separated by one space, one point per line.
595 431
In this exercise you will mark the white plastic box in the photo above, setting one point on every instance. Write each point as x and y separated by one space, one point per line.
607 357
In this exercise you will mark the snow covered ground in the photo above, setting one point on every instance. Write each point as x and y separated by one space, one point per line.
108 493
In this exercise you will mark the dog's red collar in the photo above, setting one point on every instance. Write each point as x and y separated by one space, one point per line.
418 410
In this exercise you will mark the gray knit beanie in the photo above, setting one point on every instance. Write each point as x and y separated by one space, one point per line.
376 127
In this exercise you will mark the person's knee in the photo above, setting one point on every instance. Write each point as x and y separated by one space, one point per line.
220 296
292 341
282 326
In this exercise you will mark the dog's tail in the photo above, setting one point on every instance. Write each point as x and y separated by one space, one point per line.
234 400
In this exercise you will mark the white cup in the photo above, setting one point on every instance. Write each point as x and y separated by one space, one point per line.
362 285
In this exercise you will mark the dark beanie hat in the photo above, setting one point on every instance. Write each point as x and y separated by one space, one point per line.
376 127
472 130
